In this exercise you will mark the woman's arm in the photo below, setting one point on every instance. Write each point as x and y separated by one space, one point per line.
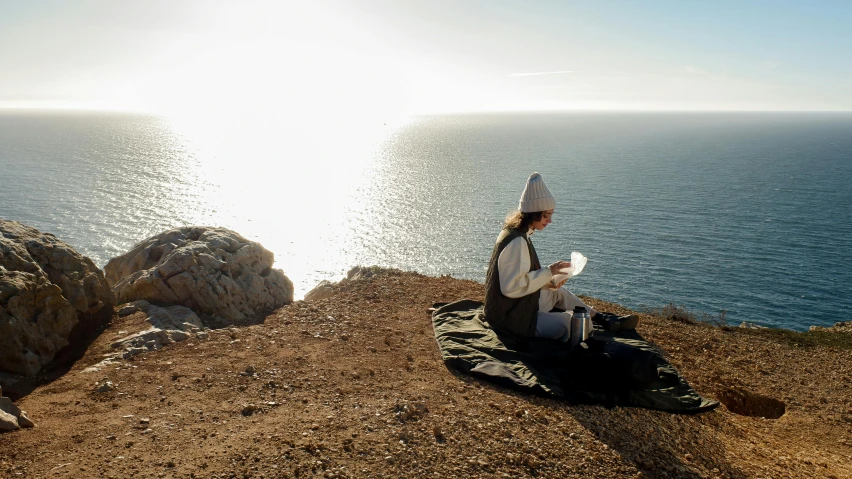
513 264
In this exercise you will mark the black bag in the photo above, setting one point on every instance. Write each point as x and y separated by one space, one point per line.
607 365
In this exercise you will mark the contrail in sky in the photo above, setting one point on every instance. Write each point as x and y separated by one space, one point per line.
532 74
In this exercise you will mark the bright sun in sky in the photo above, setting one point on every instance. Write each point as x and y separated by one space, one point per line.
382 60
290 61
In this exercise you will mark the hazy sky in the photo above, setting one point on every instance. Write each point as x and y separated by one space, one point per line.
390 57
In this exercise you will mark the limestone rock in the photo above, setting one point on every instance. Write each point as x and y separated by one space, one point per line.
168 325
24 420
325 289
106 387
50 297
839 327
129 308
35 321
8 422
363 272
11 417
213 271
82 283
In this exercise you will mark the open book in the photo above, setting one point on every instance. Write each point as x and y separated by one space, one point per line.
578 262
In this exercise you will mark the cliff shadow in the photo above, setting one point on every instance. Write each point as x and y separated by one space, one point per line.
661 444
87 330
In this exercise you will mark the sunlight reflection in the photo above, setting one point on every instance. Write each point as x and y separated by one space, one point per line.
300 194
285 114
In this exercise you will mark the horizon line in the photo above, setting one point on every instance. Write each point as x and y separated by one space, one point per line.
77 109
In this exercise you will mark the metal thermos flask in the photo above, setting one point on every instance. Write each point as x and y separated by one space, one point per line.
580 325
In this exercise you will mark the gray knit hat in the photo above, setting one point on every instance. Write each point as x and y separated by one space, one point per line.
536 196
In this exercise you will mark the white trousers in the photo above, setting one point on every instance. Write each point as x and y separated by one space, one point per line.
556 325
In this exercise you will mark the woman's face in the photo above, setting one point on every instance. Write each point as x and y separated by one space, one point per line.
546 219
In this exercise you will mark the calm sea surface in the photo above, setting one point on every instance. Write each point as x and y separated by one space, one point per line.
748 213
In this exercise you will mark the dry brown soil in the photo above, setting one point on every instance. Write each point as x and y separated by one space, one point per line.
353 386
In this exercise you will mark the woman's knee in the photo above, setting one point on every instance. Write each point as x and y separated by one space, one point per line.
555 326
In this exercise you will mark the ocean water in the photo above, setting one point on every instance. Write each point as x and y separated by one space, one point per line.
749 214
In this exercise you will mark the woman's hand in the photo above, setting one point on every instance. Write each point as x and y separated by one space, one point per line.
555 267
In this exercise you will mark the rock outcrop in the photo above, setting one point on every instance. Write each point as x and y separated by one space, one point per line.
213 271
167 325
326 289
839 327
11 416
35 321
51 297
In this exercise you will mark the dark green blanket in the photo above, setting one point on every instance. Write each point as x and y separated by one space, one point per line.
616 369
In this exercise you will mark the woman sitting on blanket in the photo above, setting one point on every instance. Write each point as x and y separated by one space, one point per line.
520 296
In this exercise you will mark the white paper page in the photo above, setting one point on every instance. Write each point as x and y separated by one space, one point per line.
578 262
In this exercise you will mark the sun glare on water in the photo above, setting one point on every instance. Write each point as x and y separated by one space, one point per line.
285 122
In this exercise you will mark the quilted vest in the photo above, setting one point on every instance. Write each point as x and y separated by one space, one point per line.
505 314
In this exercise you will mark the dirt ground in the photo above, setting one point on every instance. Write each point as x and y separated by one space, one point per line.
353 386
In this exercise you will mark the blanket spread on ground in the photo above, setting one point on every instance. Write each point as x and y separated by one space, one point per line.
620 369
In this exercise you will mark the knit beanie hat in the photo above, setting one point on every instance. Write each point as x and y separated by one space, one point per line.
536 197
